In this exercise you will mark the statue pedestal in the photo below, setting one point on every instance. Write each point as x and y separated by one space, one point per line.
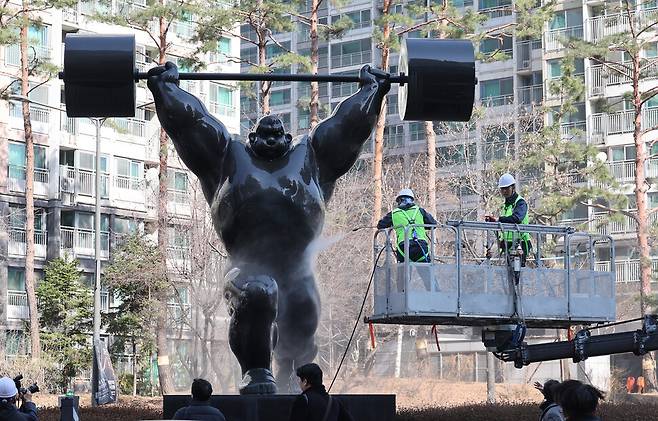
277 407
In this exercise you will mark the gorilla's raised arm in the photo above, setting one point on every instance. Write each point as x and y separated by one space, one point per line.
199 138
337 141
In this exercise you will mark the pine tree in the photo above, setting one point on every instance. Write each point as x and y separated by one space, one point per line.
622 49
15 24
65 307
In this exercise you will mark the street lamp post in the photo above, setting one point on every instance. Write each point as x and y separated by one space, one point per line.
95 371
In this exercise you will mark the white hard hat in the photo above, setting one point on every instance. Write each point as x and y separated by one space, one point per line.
406 192
506 180
7 388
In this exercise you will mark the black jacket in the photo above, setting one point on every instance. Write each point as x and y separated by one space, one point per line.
199 411
9 412
311 405
387 220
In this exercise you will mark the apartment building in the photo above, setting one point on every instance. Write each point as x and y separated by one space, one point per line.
64 186
507 89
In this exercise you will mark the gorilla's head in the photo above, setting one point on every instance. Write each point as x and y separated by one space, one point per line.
269 141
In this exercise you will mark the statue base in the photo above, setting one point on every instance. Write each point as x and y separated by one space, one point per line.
277 407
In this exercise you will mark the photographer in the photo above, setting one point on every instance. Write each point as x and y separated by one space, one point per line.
8 403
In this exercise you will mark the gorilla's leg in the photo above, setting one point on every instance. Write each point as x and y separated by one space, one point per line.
253 309
299 310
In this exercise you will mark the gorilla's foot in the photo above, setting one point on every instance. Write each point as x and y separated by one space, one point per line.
258 381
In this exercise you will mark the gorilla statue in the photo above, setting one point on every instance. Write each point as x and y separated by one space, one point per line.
267 198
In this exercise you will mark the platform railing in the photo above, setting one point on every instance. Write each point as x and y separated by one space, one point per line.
468 277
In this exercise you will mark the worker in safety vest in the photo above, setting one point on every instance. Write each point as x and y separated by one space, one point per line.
513 211
408 213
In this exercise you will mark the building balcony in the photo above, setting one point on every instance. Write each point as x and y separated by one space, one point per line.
352 59
620 122
394 140
626 270
178 316
339 90
574 130
71 14
39 52
17 243
17 308
17 175
624 171
496 12
498 100
82 182
39 117
626 225
599 27
178 259
80 242
222 109
530 95
525 55
179 202
554 39
600 78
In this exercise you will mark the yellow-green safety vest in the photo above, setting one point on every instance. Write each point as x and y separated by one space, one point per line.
508 210
403 218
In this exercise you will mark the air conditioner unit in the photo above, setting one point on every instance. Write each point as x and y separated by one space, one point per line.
67 199
67 185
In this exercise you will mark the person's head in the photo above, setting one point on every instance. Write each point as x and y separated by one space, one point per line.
404 197
8 391
579 400
201 390
309 375
507 185
269 141
549 390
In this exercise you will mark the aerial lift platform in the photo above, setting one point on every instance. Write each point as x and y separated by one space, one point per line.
473 279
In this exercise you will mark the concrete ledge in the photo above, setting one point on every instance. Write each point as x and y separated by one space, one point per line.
277 407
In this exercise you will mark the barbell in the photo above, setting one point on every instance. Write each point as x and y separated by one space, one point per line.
437 77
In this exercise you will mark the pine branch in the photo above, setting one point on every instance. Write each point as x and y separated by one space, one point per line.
609 209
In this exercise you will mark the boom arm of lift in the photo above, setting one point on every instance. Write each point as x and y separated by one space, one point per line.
583 346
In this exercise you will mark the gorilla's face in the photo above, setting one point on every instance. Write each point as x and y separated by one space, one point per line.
269 141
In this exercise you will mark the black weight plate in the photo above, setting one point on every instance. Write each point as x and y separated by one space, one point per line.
99 75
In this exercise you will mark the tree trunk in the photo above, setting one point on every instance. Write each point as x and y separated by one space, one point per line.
261 33
314 105
164 369
642 219
134 366
378 148
35 342
431 167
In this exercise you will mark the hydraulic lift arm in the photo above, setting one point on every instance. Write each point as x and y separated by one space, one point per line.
583 346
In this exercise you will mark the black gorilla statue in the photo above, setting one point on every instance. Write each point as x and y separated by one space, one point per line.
267 197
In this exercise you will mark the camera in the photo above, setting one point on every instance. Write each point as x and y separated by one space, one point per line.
33 388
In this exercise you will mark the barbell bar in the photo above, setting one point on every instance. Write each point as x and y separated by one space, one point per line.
437 77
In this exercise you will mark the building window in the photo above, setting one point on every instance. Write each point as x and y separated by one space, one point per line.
359 18
394 136
18 161
15 279
351 53
417 131
221 100
566 19
125 225
490 45
497 92
280 97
